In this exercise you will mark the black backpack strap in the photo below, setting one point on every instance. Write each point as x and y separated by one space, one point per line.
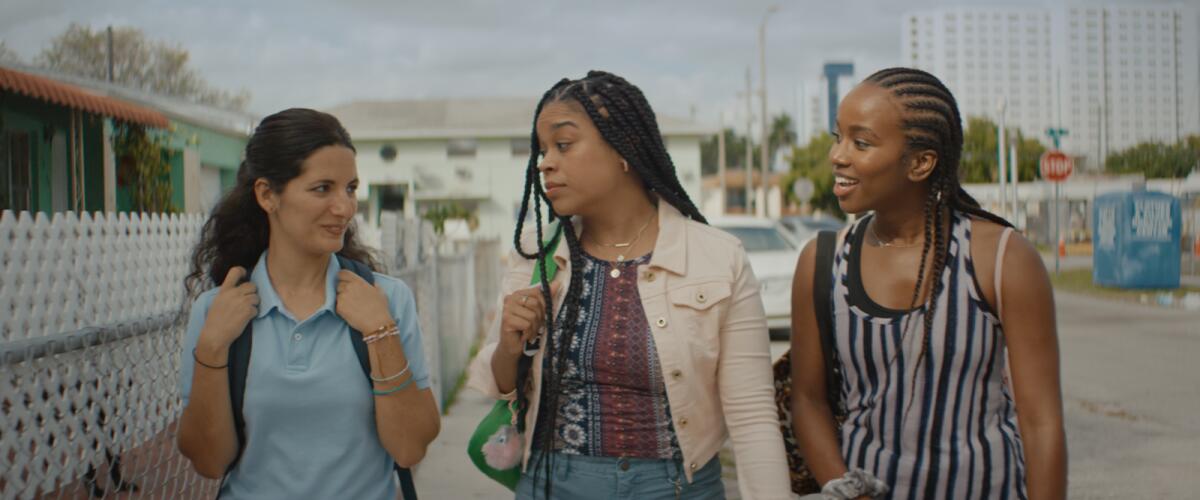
822 307
239 365
360 347
407 489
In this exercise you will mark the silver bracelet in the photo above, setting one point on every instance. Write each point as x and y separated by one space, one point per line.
393 377
855 483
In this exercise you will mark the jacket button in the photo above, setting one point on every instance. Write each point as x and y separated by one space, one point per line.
700 297
692 466
676 373
662 322
650 277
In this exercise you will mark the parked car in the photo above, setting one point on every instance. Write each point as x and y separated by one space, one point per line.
803 227
773 254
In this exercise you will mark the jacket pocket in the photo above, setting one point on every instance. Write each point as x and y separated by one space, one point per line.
698 319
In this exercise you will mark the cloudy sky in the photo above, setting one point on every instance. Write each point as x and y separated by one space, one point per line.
685 55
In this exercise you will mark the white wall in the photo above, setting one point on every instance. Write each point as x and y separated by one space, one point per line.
492 180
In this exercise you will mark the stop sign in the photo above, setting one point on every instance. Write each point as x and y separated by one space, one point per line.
1056 166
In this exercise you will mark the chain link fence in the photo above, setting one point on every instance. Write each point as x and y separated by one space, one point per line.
91 318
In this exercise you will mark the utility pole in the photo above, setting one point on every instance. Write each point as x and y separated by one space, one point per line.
749 143
110 54
763 147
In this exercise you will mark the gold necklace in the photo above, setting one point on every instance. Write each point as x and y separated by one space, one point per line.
880 242
616 273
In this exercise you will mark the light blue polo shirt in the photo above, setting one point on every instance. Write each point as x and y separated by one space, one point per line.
310 415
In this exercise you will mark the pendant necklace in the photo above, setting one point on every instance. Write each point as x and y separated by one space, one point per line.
616 273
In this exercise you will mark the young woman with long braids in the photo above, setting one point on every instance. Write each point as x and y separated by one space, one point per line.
934 302
314 425
659 347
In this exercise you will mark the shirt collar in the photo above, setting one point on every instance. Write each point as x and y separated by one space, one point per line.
268 298
670 250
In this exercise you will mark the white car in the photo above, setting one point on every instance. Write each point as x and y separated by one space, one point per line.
773 255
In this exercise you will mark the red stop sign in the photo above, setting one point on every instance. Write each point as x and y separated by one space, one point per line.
1056 166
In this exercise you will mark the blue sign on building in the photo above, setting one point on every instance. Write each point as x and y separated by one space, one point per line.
1135 243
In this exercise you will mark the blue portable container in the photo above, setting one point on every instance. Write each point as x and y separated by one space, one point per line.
1135 240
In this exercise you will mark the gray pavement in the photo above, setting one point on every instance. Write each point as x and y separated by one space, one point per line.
446 472
1131 392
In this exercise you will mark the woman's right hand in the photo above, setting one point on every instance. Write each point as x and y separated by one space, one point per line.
522 318
232 308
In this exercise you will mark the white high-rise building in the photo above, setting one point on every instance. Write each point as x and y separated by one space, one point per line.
1113 76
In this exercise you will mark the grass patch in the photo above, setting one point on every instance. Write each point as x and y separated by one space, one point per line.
1080 281
462 377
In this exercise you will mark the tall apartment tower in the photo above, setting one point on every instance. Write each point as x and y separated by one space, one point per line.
1114 76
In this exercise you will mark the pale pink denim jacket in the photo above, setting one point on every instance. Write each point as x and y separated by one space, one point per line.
704 310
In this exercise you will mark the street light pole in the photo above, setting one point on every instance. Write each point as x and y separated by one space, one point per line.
721 159
761 209
1002 107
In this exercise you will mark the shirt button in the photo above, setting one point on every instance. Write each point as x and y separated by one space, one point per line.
677 374
700 297
297 337
662 322
650 277
692 466
683 422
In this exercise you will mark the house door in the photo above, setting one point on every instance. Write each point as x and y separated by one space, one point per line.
15 189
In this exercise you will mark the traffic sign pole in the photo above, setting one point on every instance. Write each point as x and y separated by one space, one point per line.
1056 167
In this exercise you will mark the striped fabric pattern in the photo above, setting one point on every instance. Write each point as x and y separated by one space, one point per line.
945 428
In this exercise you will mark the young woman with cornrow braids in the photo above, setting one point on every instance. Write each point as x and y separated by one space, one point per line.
943 320
658 348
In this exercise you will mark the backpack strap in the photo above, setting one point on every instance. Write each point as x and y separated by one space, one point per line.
823 309
239 364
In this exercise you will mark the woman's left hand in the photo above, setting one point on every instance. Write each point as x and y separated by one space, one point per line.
363 306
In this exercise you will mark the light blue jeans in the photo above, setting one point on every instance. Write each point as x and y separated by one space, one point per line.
577 477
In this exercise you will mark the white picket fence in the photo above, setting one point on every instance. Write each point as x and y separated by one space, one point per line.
91 320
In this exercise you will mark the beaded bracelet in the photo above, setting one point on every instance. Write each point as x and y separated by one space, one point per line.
393 377
390 332
385 392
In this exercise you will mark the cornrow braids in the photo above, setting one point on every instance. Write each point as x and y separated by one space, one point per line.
931 121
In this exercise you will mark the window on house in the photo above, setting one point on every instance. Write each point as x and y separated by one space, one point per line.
520 147
461 148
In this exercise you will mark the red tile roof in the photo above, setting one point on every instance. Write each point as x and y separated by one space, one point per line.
45 89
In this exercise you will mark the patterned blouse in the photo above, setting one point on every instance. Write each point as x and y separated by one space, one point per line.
613 401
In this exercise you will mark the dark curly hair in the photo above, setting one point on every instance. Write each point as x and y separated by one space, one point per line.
237 231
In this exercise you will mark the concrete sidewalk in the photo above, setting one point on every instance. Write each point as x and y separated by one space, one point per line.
446 472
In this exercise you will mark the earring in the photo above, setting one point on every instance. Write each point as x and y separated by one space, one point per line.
625 165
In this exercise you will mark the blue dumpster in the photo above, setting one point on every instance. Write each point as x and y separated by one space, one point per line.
1135 241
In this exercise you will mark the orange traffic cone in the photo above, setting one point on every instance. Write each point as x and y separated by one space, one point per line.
1062 248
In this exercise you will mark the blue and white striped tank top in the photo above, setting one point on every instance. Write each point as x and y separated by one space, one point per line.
959 438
